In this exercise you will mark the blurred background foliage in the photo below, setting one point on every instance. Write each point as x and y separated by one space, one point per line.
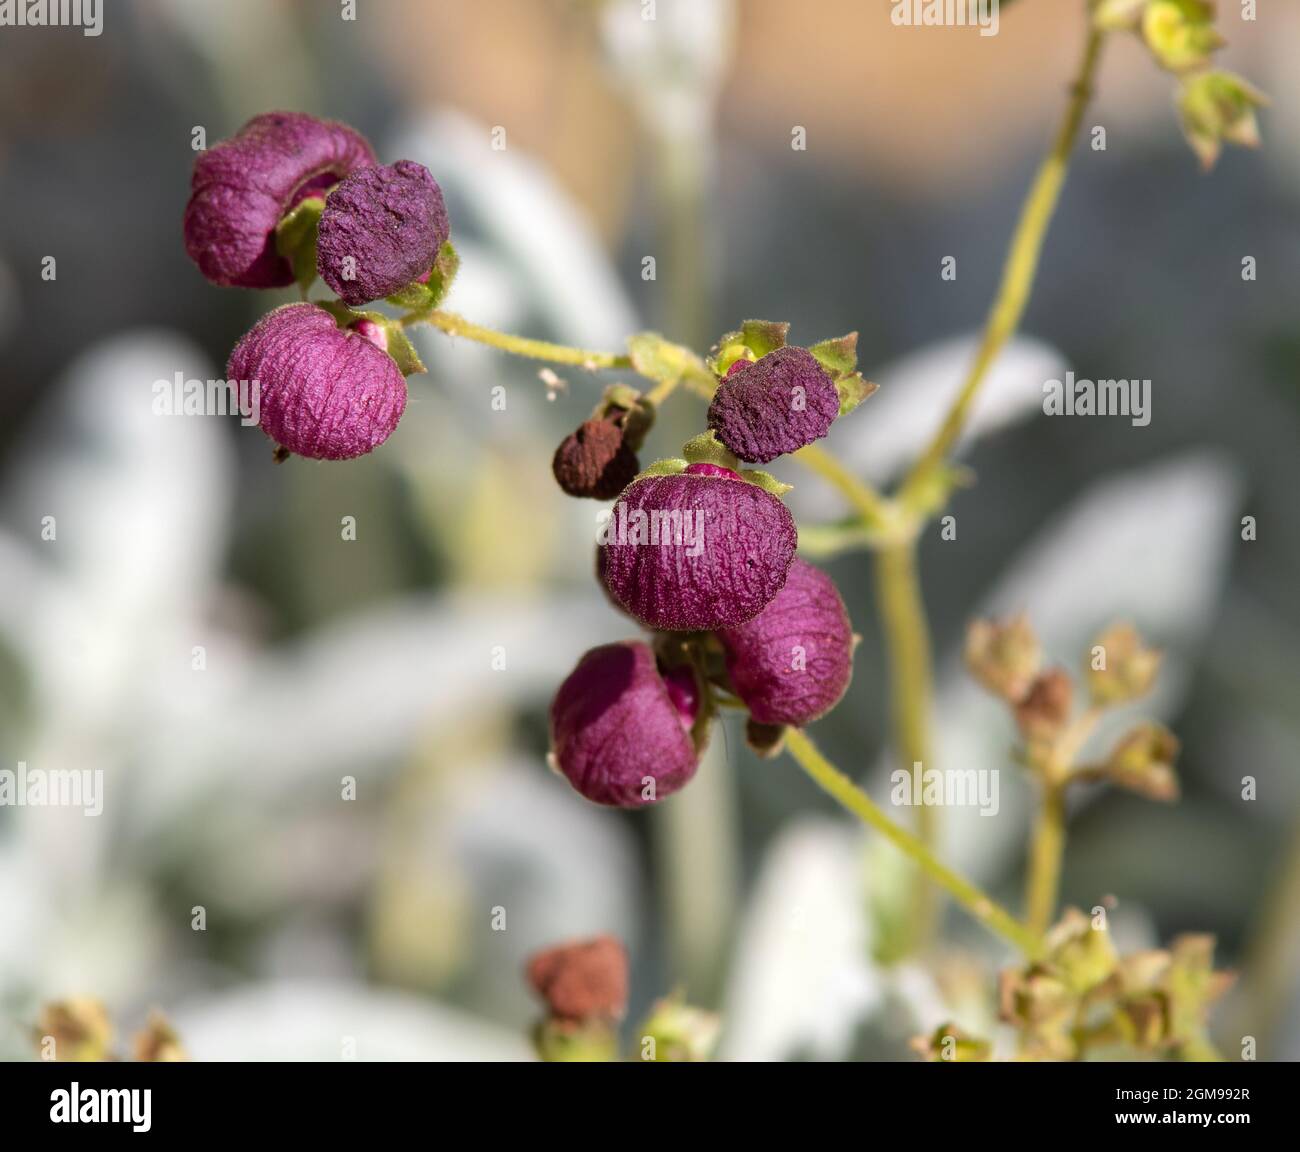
324 658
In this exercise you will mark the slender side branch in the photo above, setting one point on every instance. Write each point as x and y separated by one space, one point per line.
1043 876
907 639
1019 269
832 781
898 588
455 325
1045 854
873 508
866 501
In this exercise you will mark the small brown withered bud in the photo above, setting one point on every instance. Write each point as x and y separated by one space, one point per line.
582 979
1046 707
77 1030
157 1042
595 460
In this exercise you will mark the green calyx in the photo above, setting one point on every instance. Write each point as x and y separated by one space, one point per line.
633 412
1180 34
424 297
399 345
660 360
752 341
295 239
838 356
1216 108
706 448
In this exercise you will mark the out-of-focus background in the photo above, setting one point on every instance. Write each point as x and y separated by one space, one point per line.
201 632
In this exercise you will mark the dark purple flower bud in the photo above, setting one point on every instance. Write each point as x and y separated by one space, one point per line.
595 460
775 405
618 733
695 551
793 661
381 230
244 186
323 391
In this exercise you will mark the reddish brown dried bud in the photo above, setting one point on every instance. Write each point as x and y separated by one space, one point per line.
582 979
595 461
1046 707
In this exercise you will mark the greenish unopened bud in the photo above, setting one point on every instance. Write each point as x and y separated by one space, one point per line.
950 1043
1120 666
675 1032
1218 107
76 1030
559 1041
1143 762
1180 33
1081 951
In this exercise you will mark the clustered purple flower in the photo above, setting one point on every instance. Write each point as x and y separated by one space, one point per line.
328 386
243 187
697 551
705 551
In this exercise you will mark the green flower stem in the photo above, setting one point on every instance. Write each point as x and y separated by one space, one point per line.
455 325
832 781
907 641
1018 271
1045 852
835 538
906 632
1043 878
661 391
874 509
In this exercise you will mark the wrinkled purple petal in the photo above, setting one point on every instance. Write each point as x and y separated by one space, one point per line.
324 391
381 229
792 662
776 405
695 552
614 725
242 187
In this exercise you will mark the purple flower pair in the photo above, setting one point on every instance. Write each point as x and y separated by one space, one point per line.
624 730
328 388
700 548
380 230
